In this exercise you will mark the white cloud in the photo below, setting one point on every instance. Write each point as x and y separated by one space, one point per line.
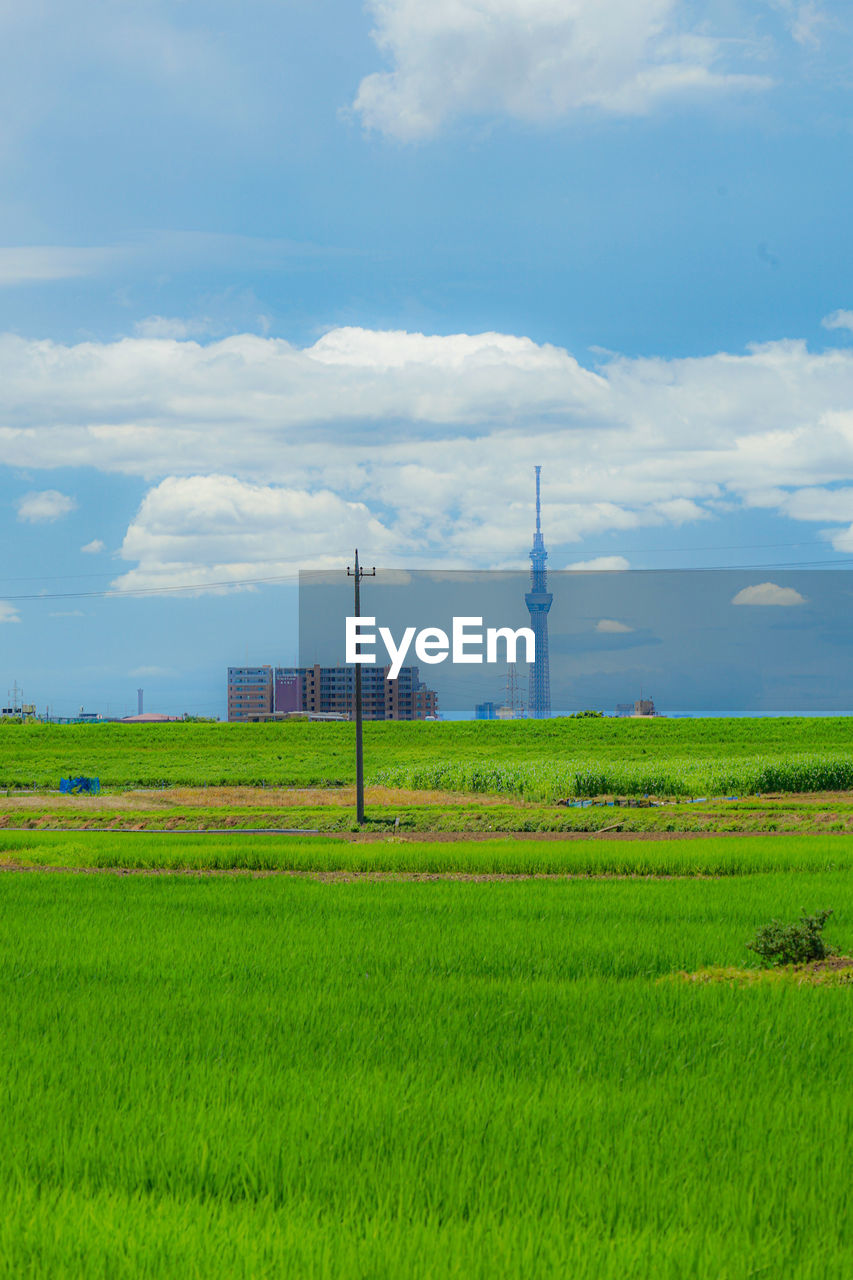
44 507
536 60
159 672
171 327
8 612
680 511
610 626
838 320
842 539
68 613
768 593
804 18
216 529
94 547
29 264
601 564
427 443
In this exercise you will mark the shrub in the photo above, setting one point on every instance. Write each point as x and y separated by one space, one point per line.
777 943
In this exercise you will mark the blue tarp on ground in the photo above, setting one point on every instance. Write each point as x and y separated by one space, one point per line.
77 785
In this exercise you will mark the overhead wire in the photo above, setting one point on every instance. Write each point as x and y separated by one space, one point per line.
279 579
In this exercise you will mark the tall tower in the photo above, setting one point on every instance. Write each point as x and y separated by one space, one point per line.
538 600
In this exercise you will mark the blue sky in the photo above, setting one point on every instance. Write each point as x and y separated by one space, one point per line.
282 277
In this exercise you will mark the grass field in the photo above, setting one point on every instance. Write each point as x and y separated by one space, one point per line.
236 1077
721 856
540 760
405 1054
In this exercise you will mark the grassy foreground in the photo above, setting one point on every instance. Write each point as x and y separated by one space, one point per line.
539 760
231 1077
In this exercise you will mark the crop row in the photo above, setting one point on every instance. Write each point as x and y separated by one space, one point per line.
719 856
547 781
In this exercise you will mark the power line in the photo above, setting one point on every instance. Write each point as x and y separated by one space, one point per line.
735 546
132 592
150 591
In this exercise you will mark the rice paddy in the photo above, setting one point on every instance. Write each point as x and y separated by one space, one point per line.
223 1077
509 856
339 1055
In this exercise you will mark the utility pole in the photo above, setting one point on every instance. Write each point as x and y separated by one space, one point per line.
357 574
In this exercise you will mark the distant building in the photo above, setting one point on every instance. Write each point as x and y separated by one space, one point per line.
23 711
250 690
267 692
486 711
642 707
505 712
287 690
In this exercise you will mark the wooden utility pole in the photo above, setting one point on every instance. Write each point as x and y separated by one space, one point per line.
357 574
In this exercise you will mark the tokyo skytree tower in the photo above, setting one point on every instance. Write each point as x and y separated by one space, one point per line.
538 600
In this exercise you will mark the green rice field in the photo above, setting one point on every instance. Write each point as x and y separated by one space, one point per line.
232 1076
711 856
535 759
406 1052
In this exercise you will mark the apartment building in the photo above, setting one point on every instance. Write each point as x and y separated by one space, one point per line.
267 691
250 692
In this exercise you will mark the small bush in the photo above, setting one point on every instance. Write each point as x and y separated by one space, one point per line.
777 943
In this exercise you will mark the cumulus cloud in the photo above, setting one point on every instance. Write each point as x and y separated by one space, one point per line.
8 612
611 626
536 60
607 564
200 530
769 593
44 507
94 547
427 443
838 320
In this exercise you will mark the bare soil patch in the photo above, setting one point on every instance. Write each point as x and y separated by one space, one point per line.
242 797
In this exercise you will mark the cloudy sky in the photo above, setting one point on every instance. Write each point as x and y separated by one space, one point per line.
288 276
